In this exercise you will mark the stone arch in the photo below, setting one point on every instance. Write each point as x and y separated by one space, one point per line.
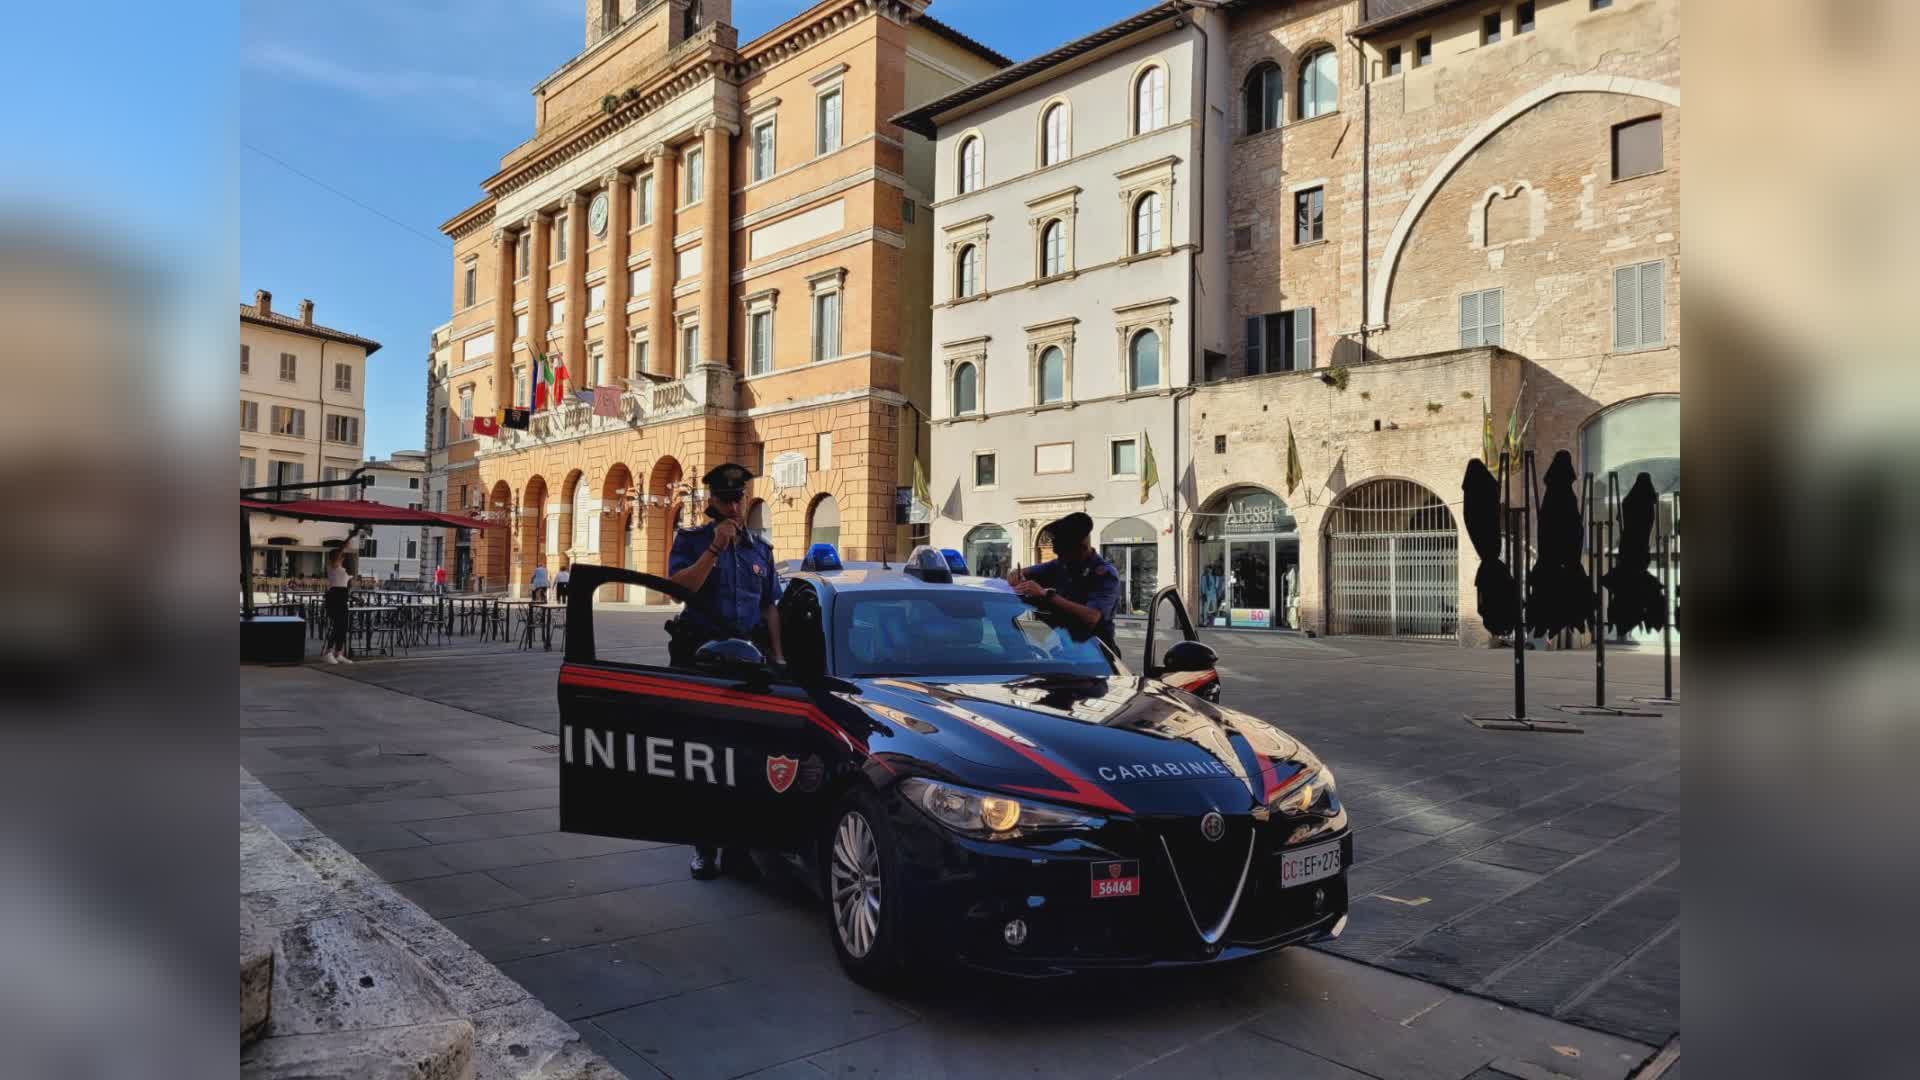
1382 282
532 527
824 520
618 516
659 517
1480 227
497 546
572 490
1392 556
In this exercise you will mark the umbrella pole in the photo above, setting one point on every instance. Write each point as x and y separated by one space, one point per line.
246 563
1519 565
1597 551
1514 530
1600 605
1663 537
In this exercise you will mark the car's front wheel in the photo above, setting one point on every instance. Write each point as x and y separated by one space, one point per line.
863 916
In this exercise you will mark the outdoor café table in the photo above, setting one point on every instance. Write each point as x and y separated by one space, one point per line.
541 614
364 614
526 618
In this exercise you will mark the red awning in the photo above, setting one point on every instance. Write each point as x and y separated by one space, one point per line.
356 512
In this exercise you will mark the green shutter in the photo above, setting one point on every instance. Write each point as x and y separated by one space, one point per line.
1302 340
1653 321
1253 346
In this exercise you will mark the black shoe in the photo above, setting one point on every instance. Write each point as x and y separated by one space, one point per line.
705 865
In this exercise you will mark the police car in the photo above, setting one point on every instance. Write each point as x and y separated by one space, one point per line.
963 778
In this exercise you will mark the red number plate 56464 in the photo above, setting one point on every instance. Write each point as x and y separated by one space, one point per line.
1111 879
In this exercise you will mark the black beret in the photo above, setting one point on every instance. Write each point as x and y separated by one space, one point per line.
728 479
1070 530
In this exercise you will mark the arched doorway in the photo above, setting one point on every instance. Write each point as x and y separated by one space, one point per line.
1393 562
533 534
1627 439
578 541
497 552
1248 553
823 522
988 550
617 499
1133 547
661 516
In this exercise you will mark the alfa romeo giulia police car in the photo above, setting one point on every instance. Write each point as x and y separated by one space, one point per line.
964 778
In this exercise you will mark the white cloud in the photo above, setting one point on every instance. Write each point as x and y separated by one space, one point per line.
389 86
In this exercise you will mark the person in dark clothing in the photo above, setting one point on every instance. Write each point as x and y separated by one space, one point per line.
1078 582
732 575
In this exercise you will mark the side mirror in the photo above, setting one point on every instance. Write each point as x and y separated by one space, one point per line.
1190 656
733 657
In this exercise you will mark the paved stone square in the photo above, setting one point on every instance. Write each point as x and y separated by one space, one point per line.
1517 894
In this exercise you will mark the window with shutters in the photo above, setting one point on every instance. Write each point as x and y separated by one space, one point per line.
760 341
346 429
1481 319
1637 150
413 547
246 472
466 407
289 367
343 378
1309 215
826 325
763 149
827 108
287 420
249 416
1640 306
246 359
1280 341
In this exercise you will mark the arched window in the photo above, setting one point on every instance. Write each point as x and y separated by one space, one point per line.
1146 223
1150 100
988 550
966 390
1143 361
1260 97
1052 375
972 169
966 272
1053 248
1319 83
823 525
1053 135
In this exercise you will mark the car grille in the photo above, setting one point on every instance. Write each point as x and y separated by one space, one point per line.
1208 870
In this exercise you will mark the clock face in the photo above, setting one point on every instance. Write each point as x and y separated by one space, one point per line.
597 214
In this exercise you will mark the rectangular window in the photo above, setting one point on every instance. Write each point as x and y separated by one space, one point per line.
696 176
760 341
763 149
1639 306
906 210
520 326
413 547
760 459
249 416
1123 458
638 354
525 252
466 410
1422 52
346 429
596 368
1481 318
343 378
826 326
1280 341
560 238
823 451
1490 28
1523 18
643 200
1243 239
469 283
287 420
1637 148
1053 458
1393 59
246 359
596 297
1219 444
287 472
446 434
369 548
556 311
986 469
413 482
1596 5
289 367
689 348
827 112
246 472
519 384
1309 215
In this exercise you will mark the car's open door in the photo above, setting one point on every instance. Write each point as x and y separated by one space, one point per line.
721 754
1187 663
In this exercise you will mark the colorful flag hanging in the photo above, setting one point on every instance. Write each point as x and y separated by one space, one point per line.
536 398
560 380
1149 471
516 418
1486 436
1294 472
606 401
486 425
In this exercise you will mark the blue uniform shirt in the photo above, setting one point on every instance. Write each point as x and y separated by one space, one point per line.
1094 583
742 582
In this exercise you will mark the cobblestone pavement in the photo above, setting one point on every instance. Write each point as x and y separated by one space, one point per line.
1493 869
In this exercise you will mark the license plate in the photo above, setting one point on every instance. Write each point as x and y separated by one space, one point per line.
1112 879
1309 864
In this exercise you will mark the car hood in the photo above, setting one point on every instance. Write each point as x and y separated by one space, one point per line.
1118 743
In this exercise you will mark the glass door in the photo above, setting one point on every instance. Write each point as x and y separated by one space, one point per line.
1250 583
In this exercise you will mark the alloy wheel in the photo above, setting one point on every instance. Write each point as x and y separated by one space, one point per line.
855 879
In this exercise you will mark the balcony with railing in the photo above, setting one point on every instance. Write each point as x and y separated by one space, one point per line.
644 401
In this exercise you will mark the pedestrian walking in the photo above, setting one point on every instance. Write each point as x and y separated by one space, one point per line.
440 580
560 581
538 593
339 577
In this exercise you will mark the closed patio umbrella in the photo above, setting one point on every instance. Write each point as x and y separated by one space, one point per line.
1635 598
1558 596
1493 583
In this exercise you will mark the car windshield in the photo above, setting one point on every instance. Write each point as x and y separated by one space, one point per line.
957 632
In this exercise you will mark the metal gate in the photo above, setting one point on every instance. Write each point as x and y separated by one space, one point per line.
1393 563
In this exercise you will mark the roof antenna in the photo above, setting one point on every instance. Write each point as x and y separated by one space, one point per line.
883 560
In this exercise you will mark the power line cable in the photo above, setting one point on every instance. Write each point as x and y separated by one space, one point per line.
437 241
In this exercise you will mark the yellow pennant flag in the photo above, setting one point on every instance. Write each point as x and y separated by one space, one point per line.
1149 471
920 492
1486 435
1294 472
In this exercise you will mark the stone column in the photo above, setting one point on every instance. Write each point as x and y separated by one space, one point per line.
716 246
666 196
619 221
573 342
505 248
539 227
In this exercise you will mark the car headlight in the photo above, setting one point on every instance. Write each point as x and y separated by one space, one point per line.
990 817
1310 792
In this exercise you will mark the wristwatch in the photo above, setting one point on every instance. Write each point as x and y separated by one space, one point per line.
1051 593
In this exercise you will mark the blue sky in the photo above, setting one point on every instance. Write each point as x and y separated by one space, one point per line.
403 107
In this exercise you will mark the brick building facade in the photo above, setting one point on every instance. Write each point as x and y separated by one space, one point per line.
724 233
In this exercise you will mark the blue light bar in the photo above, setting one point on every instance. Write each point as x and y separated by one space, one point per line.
956 562
821 557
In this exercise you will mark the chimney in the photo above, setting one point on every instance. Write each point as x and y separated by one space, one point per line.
306 312
263 300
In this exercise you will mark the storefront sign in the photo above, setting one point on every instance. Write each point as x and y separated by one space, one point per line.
1257 618
1258 512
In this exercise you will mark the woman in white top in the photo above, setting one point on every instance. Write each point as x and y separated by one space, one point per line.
539 593
338 579
560 581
